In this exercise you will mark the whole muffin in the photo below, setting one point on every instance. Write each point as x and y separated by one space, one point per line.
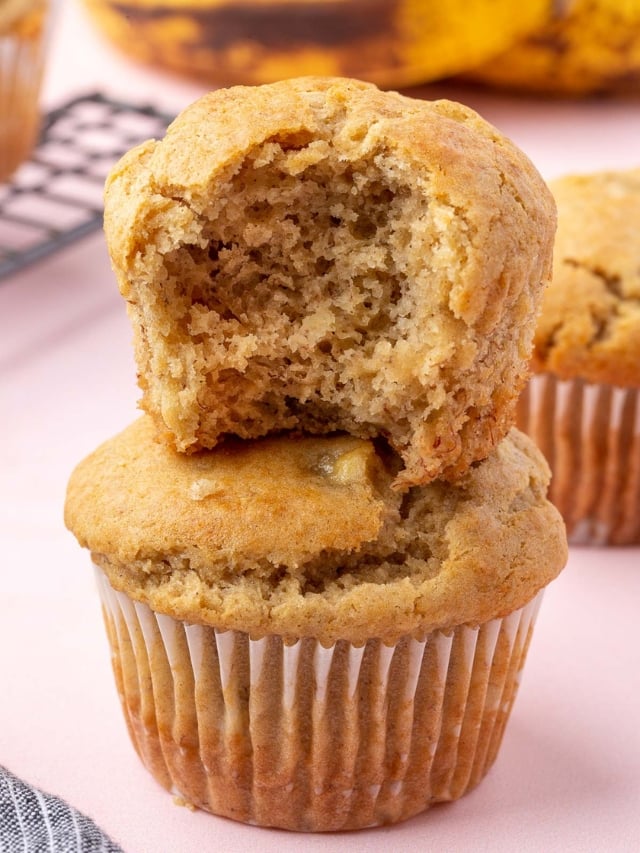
319 255
295 643
582 406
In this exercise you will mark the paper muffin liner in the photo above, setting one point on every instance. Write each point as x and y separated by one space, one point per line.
310 738
22 58
590 435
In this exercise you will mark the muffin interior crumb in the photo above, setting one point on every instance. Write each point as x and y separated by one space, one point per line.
297 292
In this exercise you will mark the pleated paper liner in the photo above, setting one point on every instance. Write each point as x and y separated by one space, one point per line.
590 435
309 738
22 59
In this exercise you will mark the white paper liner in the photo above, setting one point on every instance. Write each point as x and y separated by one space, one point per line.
590 435
311 738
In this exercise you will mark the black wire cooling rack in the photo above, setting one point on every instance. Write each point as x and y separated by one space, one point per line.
56 197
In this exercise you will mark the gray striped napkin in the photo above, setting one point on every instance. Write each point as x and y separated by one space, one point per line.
34 822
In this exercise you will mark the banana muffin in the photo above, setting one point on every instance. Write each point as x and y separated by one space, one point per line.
297 644
585 47
318 255
582 406
24 26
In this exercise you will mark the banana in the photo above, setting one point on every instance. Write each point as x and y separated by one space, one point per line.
389 42
586 47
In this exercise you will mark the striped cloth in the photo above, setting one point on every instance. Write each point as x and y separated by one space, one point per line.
34 822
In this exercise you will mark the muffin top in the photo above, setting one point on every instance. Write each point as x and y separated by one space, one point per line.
304 536
590 322
319 255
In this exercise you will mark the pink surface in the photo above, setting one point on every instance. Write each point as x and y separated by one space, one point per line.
568 775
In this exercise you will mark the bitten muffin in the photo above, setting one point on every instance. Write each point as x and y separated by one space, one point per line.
318 255
295 643
582 407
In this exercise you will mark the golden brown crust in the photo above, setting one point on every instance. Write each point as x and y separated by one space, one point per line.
321 255
590 322
303 537
277 501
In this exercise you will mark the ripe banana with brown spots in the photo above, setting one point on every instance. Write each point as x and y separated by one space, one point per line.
389 42
586 47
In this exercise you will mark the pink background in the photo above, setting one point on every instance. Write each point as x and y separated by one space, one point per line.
568 775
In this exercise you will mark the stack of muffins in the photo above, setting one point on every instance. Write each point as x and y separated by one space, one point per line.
322 548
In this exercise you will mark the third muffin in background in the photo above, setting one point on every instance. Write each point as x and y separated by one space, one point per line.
582 406
24 26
